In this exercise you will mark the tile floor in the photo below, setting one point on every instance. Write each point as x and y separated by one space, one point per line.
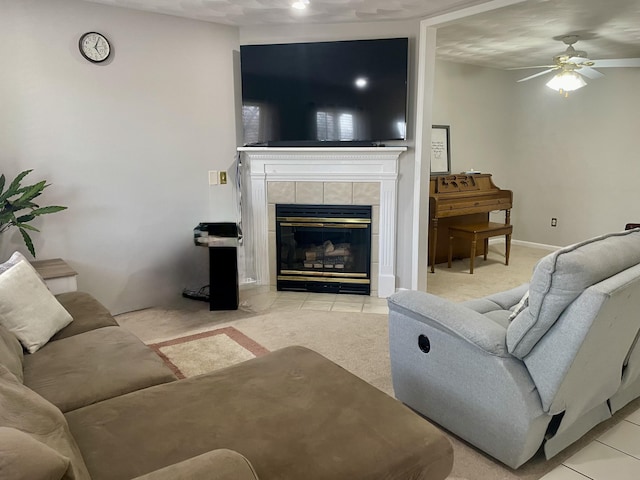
262 298
613 456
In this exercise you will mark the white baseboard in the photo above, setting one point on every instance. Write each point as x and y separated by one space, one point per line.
542 246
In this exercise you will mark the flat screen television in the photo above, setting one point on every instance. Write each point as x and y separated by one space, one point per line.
324 93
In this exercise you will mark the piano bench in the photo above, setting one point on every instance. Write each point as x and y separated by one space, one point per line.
480 231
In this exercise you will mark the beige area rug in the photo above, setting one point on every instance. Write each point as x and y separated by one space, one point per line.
207 351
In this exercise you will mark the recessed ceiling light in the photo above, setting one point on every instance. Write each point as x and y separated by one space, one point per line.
361 82
300 4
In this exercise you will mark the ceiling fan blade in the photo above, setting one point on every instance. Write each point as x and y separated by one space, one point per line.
578 60
538 74
617 62
533 66
589 72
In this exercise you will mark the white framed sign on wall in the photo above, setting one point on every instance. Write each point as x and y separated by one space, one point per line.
440 150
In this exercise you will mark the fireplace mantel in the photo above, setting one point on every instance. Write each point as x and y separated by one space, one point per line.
325 164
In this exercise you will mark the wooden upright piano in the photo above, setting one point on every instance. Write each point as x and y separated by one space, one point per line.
461 199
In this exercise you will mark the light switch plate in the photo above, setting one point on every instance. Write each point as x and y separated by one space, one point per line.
213 177
223 178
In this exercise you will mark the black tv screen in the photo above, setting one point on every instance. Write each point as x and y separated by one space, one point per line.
324 93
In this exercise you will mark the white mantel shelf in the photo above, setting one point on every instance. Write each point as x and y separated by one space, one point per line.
326 164
321 149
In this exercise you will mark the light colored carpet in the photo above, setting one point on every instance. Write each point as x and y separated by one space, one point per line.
359 341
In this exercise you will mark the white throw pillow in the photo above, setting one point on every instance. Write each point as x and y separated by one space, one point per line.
27 307
14 259
522 304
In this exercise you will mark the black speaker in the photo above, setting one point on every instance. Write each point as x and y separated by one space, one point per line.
223 278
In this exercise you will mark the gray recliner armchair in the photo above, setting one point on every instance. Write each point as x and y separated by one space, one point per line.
539 365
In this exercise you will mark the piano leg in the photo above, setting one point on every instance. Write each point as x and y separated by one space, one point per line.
434 223
507 237
473 253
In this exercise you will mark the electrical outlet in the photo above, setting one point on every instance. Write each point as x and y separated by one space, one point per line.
213 177
223 178
554 222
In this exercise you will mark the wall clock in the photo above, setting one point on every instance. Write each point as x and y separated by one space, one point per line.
94 47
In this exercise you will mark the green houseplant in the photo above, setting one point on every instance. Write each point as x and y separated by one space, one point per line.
17 207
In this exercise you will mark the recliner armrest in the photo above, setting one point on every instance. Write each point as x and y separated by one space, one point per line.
219 464
451 317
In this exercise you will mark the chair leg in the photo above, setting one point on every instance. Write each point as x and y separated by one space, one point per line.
507 248
473 254
450 251
486 248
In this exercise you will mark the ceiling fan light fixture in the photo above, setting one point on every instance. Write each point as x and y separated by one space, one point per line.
566 81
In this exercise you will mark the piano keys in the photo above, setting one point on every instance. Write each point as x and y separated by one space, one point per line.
461 199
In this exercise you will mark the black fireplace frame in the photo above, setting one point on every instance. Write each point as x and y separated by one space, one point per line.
331 216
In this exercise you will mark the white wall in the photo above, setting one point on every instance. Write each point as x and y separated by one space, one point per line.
356 31
126 145
575 159
476 103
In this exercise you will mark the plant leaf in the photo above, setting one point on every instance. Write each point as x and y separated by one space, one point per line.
18 198
25 218
26 227
7 217
30 192
18 179
28 242
49 209
13 188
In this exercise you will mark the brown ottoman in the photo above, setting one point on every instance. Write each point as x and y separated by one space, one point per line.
292 413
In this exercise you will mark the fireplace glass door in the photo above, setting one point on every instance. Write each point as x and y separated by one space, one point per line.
324 248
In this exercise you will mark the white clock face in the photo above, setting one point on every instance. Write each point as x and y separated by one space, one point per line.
94 47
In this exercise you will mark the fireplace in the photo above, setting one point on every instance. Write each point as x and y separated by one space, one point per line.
307 176
323 248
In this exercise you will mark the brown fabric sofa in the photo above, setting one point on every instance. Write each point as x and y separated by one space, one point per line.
96 403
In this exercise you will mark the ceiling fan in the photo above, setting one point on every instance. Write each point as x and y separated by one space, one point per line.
573 64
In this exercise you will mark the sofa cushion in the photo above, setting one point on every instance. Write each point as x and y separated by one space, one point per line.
87 312
24 410
501 317
27 307
93 366
22 457
219 464
559 278
293 413
11 355
506 300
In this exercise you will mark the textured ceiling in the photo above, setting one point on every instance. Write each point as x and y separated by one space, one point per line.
518 35
523 34
261 12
